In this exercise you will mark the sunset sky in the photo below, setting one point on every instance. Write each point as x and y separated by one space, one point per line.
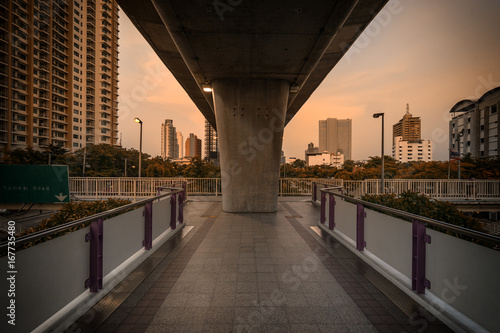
428 53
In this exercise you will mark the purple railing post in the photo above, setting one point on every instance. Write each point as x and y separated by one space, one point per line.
419 239
173 213
315 195
148 226
331 212
322 218
181 207
94 282
360 227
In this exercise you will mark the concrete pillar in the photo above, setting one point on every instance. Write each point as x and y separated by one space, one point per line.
250 116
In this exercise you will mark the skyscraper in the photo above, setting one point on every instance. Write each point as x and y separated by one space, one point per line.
193 146
211 142
408 128
169 144
58 73
180 143
407 146
335 135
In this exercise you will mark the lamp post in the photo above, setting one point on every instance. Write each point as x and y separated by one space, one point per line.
376 115
460 134
137 120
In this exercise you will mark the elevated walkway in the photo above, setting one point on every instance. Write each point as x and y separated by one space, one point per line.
269 272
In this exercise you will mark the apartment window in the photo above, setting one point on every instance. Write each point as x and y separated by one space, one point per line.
493 109
468 131
468 143
482 140
482 127
468 119
75 128
453 125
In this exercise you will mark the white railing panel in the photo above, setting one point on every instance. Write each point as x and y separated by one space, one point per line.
161 216
390 239
49 276
345 218
466 276
123 236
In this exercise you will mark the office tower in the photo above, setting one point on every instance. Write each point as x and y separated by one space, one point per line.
211 143
193 146
407 146
408 128
58 73
474 126
180 144
335 135
169 144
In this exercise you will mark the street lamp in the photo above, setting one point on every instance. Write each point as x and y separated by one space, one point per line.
137 120
376 115
460 134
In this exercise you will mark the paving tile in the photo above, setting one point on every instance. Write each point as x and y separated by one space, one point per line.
255 273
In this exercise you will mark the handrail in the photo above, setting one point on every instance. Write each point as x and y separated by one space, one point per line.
50 231
451 227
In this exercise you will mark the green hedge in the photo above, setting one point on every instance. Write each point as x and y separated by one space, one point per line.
69 212
419 204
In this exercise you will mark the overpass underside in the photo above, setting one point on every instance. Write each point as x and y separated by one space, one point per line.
262 61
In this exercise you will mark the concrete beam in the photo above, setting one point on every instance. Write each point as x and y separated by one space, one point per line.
250 116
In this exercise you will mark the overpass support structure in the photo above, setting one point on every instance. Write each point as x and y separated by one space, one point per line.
251 54
250 116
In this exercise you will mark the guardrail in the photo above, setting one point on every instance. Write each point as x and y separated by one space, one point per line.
455 279
441 189
75 270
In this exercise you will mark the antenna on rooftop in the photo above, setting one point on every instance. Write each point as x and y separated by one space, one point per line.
407 108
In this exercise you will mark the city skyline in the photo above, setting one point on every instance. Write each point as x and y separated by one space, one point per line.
419 53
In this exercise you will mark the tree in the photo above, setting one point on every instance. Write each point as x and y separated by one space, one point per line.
200 169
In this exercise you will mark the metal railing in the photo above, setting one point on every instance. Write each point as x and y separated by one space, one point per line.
93 254
440 189
423 262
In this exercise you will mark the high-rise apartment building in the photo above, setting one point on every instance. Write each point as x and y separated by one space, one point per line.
211 142
193 146
180 143
169 143
474 126
58 73
408 128
335 135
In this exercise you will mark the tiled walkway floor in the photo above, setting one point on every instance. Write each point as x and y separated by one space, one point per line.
256 273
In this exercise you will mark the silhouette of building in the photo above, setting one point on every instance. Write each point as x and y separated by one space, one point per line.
169 144
408 128
335 135
193 146
407 145
211 143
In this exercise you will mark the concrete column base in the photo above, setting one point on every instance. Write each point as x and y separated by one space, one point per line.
250 116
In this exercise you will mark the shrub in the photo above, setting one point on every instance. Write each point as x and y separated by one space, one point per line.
419 204
69 212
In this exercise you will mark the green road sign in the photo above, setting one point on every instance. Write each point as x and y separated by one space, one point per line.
34 183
